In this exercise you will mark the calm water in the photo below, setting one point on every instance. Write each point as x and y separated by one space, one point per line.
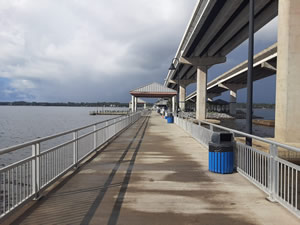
267 114
24 123
19 124
262 131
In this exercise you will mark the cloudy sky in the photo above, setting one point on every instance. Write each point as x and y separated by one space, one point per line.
96 50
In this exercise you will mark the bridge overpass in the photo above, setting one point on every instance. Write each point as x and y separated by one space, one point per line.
218 27
265 64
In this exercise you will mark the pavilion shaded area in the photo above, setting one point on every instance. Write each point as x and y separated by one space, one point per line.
153 90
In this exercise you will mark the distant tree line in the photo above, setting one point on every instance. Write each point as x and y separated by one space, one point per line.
257 105
77 104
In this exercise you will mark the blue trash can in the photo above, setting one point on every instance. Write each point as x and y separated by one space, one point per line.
220 157
170 118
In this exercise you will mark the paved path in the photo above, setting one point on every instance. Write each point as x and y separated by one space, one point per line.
154 173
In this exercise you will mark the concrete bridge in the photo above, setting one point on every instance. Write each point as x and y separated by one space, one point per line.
152 173
218 27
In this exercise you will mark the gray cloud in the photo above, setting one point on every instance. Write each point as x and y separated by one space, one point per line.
93 50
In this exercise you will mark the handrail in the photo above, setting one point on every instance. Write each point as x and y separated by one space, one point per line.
292 148
29 143
25 179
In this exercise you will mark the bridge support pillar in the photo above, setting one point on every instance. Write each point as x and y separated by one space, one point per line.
287 80
145 105
182 95
232 104
173 104
201 93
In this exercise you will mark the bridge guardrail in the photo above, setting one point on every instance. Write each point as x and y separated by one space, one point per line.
277 177
24 180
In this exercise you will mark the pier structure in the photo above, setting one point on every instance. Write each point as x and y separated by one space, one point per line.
152 173
153 90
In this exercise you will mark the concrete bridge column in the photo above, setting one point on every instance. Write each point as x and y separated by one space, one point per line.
173 103
145 105
288 67
182 95
232 104
201 93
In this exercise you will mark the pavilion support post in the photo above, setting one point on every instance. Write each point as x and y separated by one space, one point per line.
182 95
132 103
201 92
135 104
232 104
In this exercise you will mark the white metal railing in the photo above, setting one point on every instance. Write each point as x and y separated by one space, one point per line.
25 179
260 164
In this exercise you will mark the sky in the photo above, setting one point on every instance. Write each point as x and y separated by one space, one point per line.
99 50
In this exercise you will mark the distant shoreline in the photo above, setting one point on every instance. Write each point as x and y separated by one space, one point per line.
68 104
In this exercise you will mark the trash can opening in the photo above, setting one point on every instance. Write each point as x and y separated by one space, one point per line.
225 137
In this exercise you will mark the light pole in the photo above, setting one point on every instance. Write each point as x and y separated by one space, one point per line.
250 73
172 67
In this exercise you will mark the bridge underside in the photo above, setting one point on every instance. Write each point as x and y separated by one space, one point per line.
154 173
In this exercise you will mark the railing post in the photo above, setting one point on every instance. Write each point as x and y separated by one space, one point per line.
115 126
75 148
95 136
273 176
106 131
36 170
211 127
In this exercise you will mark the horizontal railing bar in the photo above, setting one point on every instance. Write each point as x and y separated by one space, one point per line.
29 143
253 149
292 165
292 148
13 165
56 147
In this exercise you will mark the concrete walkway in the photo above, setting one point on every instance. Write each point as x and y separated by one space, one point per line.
155 173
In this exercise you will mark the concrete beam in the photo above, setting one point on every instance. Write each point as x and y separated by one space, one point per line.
202 61
232 86
268 66
183 82
238 26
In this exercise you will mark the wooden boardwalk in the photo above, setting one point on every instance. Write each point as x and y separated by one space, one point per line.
154 173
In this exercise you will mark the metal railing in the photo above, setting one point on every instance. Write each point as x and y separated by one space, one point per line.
261 163
24 180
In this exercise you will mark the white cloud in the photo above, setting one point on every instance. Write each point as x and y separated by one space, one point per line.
57 43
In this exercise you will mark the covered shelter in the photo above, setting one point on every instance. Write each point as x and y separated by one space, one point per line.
153 90
139 101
